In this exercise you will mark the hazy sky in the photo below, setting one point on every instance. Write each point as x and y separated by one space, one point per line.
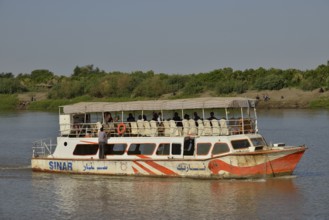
167 36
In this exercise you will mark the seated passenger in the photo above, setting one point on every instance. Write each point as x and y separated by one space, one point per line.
155 116
177 119
117 118
130 118
196 116
212 116
108 117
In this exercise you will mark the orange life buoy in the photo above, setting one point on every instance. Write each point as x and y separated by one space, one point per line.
121 128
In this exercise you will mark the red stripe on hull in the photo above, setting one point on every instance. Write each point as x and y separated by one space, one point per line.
285 164
161 168
156 166
135 170
144 168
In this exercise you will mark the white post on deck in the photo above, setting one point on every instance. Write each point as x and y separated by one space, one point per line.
256 125
242 122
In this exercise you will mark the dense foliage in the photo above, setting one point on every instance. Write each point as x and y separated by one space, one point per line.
8 102
91 82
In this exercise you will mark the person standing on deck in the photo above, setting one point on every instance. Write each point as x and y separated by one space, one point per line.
102 140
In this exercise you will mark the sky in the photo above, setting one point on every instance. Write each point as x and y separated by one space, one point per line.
166 36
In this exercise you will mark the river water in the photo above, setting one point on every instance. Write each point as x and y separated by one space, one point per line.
28 195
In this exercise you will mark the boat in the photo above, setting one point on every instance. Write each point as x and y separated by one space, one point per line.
226 145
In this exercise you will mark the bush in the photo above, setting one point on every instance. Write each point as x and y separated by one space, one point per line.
11 86
224 87
231 86
8 102
309 84
240 87
320 103
270 82
193 87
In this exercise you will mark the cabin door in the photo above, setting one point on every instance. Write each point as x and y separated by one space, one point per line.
189 147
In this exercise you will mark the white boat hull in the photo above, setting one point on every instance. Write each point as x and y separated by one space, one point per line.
238 165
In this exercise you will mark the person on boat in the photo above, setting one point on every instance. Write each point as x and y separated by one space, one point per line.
102 140
177 119
159 119
140 117
187 117
130 118
212 116
155 116
196 118
108 117
117 118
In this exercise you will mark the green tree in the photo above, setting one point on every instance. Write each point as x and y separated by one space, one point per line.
67 88
41 76
151 87
10 86
194 86
270 82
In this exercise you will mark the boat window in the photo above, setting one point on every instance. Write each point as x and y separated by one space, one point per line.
239 144
85 149
115 149
258 142
203 148
141 148
163 149
220 148
176 149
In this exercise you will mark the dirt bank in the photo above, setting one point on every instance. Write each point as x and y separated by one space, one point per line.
26 98
285 98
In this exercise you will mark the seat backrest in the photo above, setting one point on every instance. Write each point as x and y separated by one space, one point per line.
207 127
140 126
147 128
154 128
166 126
174 131
133 127
186 127
98 125
215 127
200 127
223 126
193 129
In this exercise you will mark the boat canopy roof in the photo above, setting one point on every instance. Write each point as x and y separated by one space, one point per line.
195 103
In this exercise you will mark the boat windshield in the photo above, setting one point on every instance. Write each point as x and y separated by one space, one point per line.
258 142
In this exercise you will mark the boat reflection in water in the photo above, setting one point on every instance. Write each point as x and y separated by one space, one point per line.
122 196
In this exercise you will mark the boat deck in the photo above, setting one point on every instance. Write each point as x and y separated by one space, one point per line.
167 128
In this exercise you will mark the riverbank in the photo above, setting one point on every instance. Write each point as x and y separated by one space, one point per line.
290 98
268 99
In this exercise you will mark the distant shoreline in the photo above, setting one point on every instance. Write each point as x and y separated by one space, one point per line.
288 98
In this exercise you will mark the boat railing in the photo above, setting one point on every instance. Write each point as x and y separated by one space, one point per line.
167 128
43 148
